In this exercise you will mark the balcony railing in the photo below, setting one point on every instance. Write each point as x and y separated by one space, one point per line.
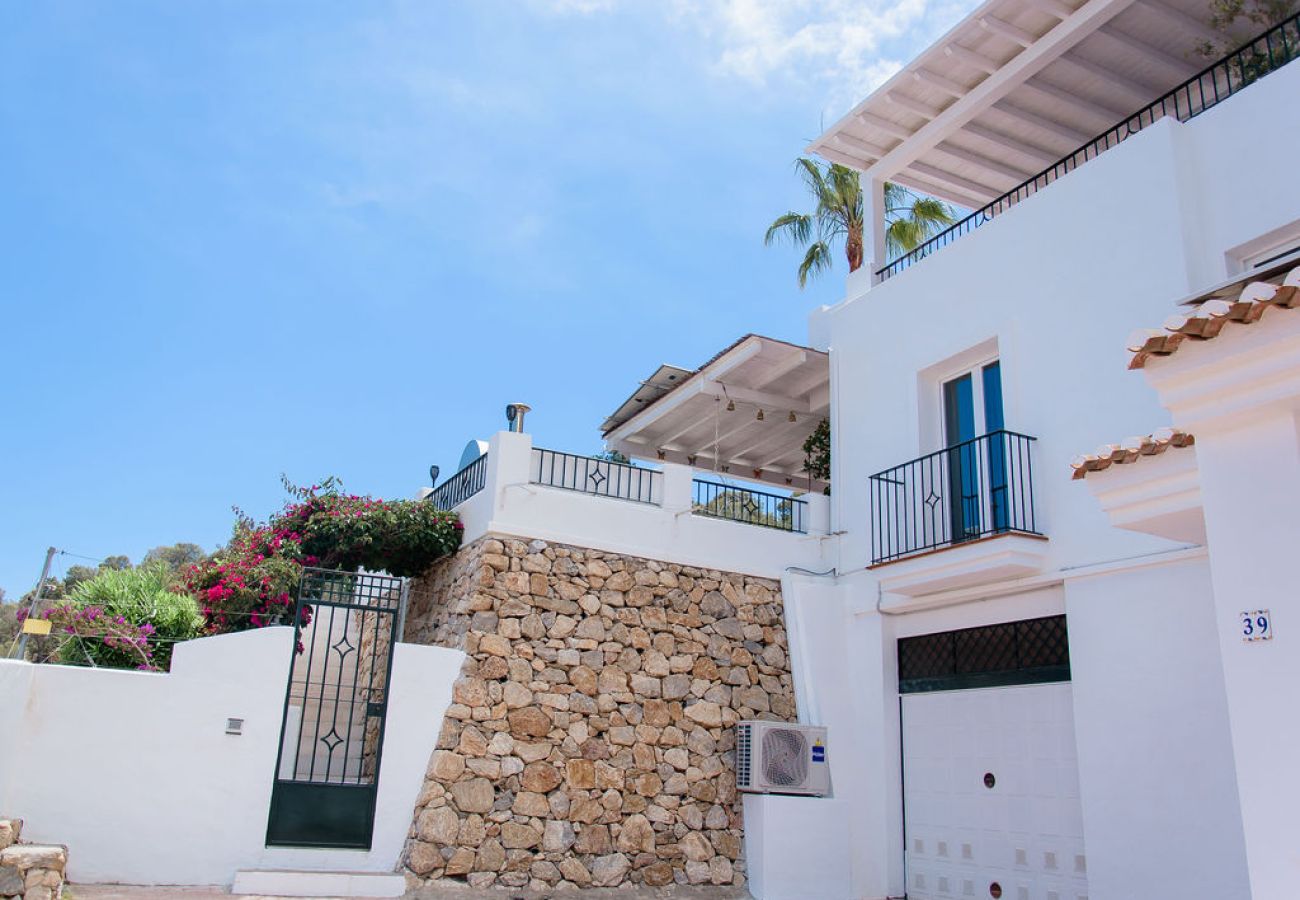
1244 66
602 477
721 501
461 486
971 490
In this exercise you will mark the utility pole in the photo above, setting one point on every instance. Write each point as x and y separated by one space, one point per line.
20 650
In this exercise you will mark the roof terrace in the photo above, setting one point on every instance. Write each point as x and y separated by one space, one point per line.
1022 92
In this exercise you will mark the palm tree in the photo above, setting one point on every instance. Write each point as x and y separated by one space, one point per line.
910 220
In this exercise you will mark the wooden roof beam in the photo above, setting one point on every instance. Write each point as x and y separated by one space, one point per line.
1024 65
1179 67
1055 8
989 165
1192 25
1014 145
845 159
911 180
890 128
965 185
911 104
1005 29
947 85
1052 92
1137 92
853 142
972 59
1072 136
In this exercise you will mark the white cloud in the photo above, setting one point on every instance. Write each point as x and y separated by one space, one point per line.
845 48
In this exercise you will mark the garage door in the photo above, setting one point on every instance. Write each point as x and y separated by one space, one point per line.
990 779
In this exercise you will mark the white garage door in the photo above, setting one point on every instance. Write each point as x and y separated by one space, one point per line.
991 795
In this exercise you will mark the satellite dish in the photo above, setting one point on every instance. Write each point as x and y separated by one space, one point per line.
473 450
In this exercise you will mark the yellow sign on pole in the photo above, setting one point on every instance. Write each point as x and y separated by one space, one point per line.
36 626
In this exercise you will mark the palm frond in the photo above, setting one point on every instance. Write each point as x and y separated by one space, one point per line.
815 261
795 227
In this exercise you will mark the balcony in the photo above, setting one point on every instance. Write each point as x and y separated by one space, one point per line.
957 500
672 512
1013 88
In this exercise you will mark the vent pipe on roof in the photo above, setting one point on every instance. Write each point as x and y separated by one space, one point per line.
515 416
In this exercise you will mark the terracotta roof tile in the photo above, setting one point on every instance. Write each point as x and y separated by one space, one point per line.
1207 319
1130 451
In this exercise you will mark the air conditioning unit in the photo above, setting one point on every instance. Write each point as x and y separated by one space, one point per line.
782 758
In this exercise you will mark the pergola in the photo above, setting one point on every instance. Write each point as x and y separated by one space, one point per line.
746 413
1014 87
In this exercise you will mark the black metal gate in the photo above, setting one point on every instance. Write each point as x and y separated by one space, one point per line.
332 733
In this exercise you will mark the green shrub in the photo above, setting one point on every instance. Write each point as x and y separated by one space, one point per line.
135 597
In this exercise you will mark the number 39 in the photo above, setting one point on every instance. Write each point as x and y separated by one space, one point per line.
1255 626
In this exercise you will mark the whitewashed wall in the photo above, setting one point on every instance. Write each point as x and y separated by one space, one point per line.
666 530
1056 285
135 773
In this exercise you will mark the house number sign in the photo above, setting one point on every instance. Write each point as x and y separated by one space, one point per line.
1256 625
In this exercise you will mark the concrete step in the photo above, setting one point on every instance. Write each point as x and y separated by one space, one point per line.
301 883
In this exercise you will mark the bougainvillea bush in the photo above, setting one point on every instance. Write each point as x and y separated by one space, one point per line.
253 580
123 619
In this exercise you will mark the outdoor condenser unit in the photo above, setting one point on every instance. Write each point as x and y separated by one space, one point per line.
782 758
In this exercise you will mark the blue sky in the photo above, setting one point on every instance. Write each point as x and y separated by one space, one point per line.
239 238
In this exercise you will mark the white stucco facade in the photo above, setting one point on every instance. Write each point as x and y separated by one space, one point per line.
1182 780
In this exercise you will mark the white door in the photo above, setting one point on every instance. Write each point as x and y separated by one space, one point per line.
991 795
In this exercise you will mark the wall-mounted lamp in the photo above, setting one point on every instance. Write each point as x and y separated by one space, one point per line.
662 453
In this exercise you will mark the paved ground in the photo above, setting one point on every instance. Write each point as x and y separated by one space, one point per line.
451 892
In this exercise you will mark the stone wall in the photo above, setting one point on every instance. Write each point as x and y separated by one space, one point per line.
589 742
29 871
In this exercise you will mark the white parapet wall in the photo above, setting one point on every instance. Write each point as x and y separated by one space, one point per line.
135 772
513 502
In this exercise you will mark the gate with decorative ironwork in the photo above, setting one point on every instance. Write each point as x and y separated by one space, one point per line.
332 733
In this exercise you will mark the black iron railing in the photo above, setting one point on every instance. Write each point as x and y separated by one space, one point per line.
721 501
970 490
589 475
1244 66
461 486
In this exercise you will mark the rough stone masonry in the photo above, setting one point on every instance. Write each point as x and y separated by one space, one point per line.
589 742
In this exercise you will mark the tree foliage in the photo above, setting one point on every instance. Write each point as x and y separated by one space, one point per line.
839 215
817 452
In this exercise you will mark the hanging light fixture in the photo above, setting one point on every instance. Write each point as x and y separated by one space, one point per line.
759 416
791 417
731 406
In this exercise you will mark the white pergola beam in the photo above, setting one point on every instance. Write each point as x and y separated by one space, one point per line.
910 180
853 142
1179 67
761 399
692 388
972 59
1011 32
1137 92
888 127
947 85
1070 135
1014 145
1053 7
792 361
845 159
911 104
1107 115
1028 62
972 188
1188 23
989 165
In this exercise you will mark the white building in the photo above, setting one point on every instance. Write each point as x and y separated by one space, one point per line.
1037 689
1047 674
1031 693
